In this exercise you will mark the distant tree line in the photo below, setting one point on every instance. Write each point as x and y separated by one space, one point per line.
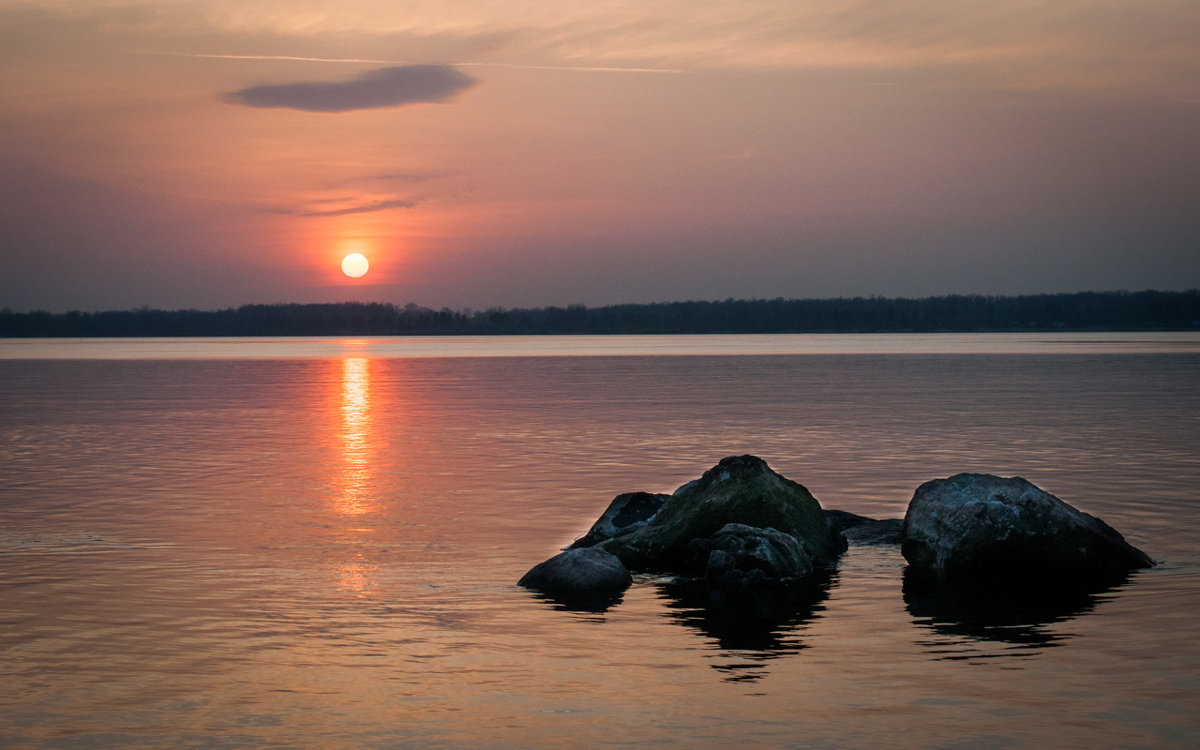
1084 311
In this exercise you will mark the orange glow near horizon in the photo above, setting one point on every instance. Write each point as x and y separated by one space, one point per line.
328 244
348 246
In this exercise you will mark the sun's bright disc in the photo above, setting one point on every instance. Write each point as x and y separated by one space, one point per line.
355 265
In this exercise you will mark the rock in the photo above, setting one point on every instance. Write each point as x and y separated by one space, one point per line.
738 490
625 514
862 531
875 533
981 528
844 519
740 555
578 573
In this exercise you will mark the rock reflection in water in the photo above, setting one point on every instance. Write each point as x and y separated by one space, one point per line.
984 623
594 603
752 626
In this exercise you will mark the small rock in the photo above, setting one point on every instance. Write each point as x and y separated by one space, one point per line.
875 533
578 572
862 531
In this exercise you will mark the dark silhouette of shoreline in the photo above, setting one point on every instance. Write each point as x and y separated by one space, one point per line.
1082 311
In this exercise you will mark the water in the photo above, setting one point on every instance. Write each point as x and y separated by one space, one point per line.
295 544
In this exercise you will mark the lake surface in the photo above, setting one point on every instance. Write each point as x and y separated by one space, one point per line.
314 543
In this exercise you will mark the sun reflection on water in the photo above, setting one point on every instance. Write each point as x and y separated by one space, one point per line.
354 499
357 576
354 490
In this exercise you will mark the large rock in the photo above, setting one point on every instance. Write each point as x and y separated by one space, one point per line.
975 528
578 573
738 490
625 514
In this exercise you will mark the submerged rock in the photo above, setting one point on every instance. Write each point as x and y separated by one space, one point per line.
875 533
738 490
988 529
844 519
625 514
578 573
863 531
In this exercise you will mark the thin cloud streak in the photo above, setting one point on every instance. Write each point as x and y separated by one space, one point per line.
386 87
364 208
574 68
372 61
292 58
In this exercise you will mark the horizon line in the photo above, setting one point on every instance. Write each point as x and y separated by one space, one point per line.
572 305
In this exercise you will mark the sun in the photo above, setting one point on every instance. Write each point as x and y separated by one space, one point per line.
355 265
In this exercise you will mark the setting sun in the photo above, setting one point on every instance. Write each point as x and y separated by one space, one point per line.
355 265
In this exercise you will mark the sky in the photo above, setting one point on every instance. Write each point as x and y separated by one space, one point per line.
510 153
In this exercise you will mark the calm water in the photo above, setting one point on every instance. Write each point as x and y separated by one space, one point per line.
314 544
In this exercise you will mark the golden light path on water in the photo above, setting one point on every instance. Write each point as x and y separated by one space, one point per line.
354 499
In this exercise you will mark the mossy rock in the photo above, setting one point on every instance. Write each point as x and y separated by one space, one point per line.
738 490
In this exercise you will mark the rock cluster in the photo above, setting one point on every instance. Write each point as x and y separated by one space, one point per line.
741 526
739 490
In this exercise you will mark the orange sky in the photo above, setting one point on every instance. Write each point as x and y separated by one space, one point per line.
214 153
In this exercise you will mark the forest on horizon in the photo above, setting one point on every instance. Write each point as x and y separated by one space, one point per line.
1081 311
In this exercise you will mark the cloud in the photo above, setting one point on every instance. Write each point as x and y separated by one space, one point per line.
386 87
404 177
357 208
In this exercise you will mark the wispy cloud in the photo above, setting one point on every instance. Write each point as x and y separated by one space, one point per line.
576 68
346 210
406 176
464 64
385 87
292 58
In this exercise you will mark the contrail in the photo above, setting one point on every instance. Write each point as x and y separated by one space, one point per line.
580 68
370 61
207 56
